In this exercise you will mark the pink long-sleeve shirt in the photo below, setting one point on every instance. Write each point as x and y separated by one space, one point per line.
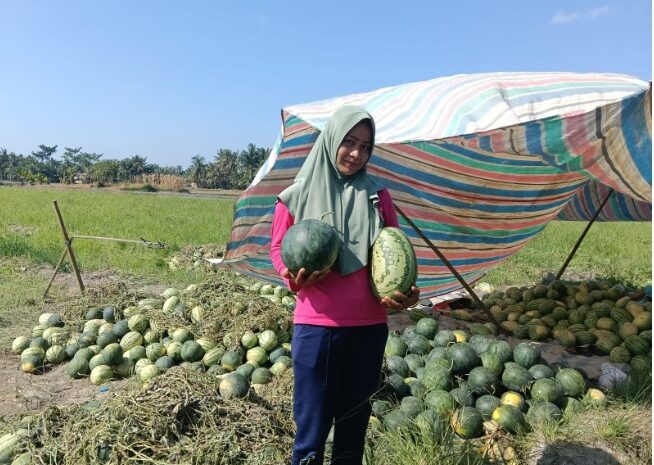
336 300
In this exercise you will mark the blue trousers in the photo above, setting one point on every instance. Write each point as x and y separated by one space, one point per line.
336 371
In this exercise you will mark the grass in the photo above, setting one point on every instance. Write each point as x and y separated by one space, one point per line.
619 252
29 228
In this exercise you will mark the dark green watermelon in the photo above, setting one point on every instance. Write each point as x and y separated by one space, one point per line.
310 244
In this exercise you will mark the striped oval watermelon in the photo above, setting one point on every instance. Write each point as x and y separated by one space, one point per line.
393 265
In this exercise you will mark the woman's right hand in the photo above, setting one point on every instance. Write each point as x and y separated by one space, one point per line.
303 278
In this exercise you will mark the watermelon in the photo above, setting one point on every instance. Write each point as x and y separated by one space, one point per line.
413 362
492 362
93 314
231 359
268 339
418 344
539 371
398 365
430 424
509 418
441 402
261 376
463 357
191 351
112 354
637 345
174 351
467 422
463 396
20 344
540 411
502 349
444 337
482 381
570 405
124 369
249 339
526 354
148 372
140 364
120 328
233 385
436 377
182 335
40 342
78 367
393 265
427 327
548 390
514 399
54 321
486 405
276 353
246 370
412 406
109 313
55 354
571 381
397 386
213 356
310 244
397 420
155 350
164 363
131 340
595 397
258 356
101 374
138 323
105 338
135 353
516 378
480 343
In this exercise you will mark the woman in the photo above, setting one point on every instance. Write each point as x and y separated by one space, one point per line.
340 328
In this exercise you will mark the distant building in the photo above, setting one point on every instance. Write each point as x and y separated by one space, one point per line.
78 178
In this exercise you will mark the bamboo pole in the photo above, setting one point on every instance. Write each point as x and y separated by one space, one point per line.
56 270
447 263
69 247
145 242
583 234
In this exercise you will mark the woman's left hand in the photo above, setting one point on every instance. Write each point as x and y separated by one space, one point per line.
402 301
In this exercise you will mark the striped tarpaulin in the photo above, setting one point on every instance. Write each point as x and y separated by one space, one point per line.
480 163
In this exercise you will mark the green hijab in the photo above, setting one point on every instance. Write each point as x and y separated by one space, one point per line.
319 189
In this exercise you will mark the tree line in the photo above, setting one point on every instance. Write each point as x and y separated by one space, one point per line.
230 169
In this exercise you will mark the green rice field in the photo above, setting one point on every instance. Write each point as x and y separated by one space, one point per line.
29 230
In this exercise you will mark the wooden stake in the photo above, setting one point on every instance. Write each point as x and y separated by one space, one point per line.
69 247
61 260
583 234
465 285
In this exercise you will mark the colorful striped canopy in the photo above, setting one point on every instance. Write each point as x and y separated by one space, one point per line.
481 163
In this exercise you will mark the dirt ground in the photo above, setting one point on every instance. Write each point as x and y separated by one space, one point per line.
21 393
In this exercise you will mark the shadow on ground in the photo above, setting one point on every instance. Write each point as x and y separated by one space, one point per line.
567 453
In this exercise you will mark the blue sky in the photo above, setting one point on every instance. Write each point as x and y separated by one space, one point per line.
170 80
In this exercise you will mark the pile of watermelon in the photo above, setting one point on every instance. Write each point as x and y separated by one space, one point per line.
438 379
116 343
608 318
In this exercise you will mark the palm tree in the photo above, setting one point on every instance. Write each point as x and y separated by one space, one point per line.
198 170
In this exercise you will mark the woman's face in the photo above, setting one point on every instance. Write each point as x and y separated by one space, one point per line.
354 151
